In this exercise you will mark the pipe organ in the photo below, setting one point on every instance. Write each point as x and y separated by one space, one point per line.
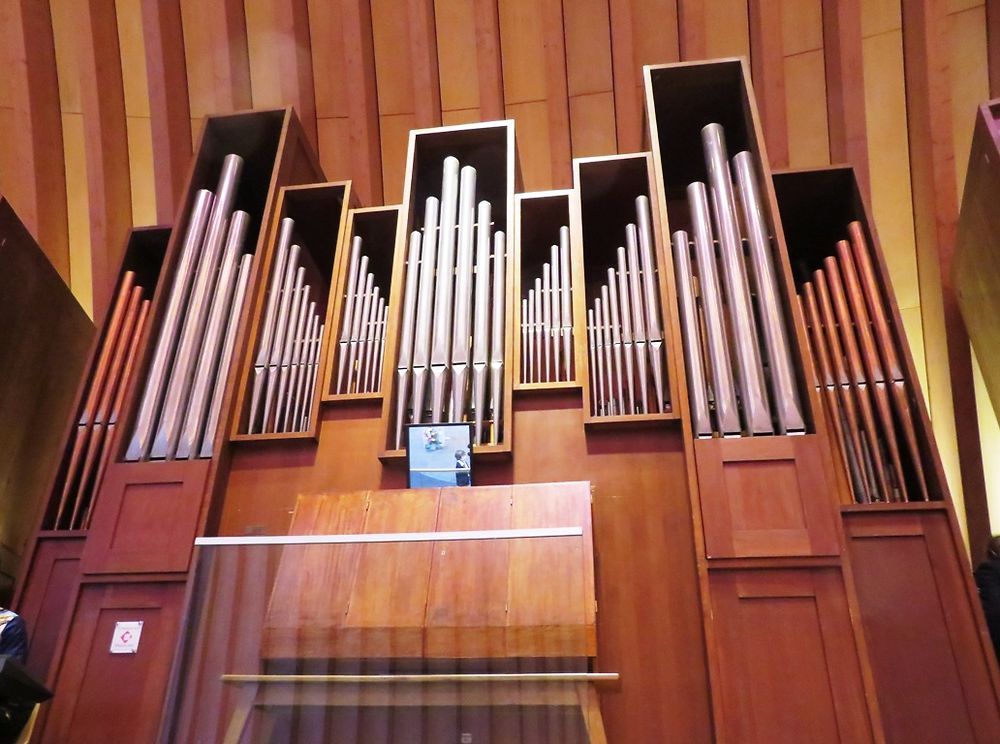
715 347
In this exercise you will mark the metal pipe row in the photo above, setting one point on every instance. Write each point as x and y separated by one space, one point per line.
179 409
860 378
451 350
741 379
548 334
362 329
625 329
285 366
89 450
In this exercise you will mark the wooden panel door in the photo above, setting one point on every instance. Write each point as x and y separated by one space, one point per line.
930 655
50 587
766 496
146 518
105 697
787 659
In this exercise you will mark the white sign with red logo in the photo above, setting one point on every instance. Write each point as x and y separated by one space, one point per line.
126 637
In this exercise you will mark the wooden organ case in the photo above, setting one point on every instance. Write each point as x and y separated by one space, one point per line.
772 542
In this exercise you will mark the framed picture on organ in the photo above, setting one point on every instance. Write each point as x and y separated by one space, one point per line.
439 455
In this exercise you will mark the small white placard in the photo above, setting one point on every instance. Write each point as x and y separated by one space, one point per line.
126 637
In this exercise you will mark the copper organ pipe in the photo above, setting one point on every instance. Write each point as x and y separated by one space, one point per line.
83 428
887 347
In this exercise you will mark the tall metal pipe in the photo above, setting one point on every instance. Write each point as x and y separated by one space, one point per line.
726 413
317 344
442 338
638 316
296 364
536 337
404 361
784 387
368 345
229 341
626 318
481 317
592 358
566 314
498 306
602 408
422 327
278 339
462 316
374 313
163 352
532 333
285 360
555 331
190 437
345 326
697 391
378 344
357 322
301 392
609 294
750 376
651 295
524 341
547 320
179 388
270 318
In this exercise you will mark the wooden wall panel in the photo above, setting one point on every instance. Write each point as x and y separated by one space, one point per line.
806 114
845 89
774 621
84 699
536 89
34 177
727 28
589 78
281 66
137 120
767 63
406 68
642 32
102 100
343 57
215 50
930 656
169 107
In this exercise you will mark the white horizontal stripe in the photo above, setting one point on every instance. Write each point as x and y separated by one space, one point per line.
423 678
391 537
